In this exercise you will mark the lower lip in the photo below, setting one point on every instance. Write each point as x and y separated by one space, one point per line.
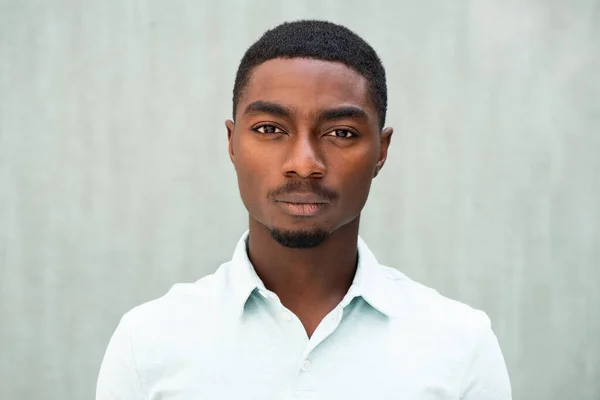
302 209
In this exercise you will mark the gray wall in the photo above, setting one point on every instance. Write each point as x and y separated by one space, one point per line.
115 181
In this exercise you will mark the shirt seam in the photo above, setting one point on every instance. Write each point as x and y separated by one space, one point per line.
135 366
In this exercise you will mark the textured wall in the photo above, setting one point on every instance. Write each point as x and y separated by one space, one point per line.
115 181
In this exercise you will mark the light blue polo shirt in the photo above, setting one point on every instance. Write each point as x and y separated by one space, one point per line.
228 337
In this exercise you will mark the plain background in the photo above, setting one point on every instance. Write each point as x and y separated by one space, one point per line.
115 181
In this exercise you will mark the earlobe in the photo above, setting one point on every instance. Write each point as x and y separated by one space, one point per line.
378 167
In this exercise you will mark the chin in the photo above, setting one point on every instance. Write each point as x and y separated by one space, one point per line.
299 238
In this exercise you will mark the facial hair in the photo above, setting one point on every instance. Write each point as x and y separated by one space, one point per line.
303 239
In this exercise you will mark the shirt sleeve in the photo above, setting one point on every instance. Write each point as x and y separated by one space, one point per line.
486 376
118 378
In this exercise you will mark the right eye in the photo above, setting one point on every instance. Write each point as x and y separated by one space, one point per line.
267 129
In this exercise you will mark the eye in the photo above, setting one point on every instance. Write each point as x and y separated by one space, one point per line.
267 129
342 133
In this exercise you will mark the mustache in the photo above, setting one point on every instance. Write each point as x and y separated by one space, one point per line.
311 186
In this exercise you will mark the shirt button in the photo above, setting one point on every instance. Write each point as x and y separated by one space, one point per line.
286 316
305 366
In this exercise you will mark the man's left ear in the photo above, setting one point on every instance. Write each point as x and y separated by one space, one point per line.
385 140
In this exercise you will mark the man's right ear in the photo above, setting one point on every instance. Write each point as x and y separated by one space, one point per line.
230 125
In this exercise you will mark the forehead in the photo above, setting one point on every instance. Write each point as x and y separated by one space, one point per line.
307 85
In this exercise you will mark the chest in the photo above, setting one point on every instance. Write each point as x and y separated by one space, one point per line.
371 358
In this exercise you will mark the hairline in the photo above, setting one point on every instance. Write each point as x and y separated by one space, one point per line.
371 91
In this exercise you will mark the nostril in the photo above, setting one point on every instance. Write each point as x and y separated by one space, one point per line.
304 160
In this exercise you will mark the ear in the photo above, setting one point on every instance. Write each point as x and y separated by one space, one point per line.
384 143
230 125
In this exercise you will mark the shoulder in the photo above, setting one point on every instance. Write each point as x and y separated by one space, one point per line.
184 304
161 333
428 308
452 336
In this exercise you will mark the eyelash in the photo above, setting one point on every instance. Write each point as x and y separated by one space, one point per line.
352 134
256 129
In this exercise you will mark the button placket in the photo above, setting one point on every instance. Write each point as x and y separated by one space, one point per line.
305 394
337 316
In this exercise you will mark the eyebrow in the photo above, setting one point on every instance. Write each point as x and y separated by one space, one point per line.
342 112
267 107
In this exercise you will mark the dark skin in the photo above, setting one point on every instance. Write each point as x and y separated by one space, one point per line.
310 124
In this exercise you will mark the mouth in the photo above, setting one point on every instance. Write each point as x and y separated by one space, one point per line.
301 209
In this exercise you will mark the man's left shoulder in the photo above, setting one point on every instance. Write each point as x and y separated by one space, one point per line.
429 306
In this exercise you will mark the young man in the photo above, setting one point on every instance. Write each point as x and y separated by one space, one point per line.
304 310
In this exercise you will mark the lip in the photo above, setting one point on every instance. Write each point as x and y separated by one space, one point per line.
302 198
301 209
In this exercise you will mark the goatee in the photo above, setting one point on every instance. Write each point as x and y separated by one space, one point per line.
299 239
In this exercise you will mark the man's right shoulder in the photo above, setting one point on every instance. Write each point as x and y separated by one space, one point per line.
184 303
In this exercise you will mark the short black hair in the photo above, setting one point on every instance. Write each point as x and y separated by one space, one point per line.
320 40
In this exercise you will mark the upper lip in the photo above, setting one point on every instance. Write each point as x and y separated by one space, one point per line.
302 198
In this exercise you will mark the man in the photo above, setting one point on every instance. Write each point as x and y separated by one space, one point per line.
304 310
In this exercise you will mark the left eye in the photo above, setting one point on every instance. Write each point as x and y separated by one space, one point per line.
341 133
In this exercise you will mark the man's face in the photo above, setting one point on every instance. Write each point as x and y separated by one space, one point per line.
306 145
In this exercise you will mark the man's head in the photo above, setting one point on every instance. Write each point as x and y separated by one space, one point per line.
309 101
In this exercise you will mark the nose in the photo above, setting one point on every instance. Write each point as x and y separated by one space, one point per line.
304 159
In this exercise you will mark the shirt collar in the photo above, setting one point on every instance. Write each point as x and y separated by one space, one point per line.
243 278
376 283
373 282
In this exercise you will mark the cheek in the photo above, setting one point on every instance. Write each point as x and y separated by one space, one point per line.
252 168
359 164
247 176
358 179
359 183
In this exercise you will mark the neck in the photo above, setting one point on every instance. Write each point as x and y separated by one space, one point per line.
315 278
